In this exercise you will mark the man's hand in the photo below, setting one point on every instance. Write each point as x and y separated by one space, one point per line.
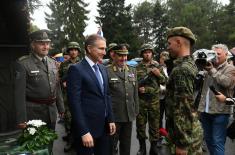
112 128
208 66
180 151
220 98
156 71
87 140
141 90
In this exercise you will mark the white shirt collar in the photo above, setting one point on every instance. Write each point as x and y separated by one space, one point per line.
90 62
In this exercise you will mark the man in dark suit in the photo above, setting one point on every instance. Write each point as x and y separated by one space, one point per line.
89 99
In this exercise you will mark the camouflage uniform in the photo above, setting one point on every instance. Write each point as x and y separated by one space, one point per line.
63 75
184 127
149 102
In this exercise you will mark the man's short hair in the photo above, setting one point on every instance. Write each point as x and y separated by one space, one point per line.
91 39
220 46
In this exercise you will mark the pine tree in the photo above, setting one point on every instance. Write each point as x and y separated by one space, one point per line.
143 21
160 24
33 5
196 15
116 22
67 22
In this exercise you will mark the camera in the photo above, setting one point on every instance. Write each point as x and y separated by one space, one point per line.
203 56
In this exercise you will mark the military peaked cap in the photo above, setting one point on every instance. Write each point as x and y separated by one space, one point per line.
111 46
120 50
40 35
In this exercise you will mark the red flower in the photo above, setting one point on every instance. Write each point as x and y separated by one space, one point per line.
163 132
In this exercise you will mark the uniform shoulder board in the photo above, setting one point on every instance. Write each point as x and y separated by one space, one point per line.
23 57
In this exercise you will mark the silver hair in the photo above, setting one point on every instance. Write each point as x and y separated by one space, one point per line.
220 46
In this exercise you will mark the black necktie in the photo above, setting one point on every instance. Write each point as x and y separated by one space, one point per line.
44 61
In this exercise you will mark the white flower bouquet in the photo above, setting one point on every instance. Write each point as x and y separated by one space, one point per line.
36 136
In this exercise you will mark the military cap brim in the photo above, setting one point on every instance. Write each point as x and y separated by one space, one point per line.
121 52
111 46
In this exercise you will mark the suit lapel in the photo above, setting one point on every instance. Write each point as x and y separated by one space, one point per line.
91 73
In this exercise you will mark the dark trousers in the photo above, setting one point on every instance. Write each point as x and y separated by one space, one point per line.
101 146
123 135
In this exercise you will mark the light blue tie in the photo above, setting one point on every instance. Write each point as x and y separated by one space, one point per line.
98 77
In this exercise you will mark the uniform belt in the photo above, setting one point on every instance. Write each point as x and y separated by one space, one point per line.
48 101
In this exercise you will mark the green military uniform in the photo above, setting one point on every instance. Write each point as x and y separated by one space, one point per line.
42 90
149 106
149 102
123 89
63 78
184 127
125 104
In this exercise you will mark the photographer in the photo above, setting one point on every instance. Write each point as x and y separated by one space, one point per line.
215 116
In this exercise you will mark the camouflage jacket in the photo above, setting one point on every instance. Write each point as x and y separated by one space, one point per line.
180 111
64 68
148 80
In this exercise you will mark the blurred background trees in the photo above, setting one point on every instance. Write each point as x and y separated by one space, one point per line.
146 22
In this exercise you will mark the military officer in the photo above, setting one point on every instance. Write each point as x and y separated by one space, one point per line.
43 92
150 76
124 94
73 50
183 123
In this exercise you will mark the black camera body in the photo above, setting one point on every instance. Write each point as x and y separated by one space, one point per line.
203 56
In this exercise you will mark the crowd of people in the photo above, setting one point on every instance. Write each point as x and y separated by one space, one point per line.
99 103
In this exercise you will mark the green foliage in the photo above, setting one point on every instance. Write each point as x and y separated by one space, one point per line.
143 21
116 22
197 15
33 28
67 22
160 24
39 140
224 24
151 22
33 5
